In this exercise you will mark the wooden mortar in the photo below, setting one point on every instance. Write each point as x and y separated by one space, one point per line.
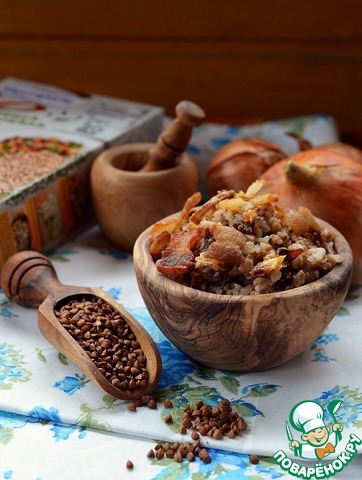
137 184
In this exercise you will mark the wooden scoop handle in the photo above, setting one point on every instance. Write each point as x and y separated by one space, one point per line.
27 278
175 138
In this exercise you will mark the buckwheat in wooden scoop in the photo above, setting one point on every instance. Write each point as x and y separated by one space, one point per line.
87 326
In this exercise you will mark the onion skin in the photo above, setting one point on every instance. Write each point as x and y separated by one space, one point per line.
340 147
239 163
327 182
353 152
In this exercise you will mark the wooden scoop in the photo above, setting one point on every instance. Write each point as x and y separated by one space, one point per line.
174 139
30 280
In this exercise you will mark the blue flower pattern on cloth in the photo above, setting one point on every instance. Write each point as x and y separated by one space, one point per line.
320 353
15 420
5 306
350 412
8 475
192 149
326 338
71 385
113 292
41 413
176 366
62 432
5 312
116 254
10 421
235 466
12 368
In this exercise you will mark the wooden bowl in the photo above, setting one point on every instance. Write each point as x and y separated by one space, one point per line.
242 333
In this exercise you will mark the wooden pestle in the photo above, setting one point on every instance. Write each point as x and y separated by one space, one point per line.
174 139
29 279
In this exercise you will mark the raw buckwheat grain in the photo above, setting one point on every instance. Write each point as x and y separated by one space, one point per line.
106 337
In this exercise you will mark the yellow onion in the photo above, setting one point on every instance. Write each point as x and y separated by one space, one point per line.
327 182
239 163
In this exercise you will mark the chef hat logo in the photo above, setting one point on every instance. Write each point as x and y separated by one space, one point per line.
307 416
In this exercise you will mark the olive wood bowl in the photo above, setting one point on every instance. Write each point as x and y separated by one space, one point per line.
242 333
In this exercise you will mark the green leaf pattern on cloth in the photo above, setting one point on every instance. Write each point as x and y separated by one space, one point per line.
12 367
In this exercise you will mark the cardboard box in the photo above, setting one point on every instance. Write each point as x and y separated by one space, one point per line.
68 128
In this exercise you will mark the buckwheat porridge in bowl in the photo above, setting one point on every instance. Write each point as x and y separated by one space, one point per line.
243 244
241 283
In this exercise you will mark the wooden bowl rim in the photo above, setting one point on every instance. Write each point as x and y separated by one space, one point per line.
106 157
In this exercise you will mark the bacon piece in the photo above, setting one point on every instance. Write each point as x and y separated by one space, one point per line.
162 230
159 243
178 258
190 203
210 205
161 233
300 221
226 250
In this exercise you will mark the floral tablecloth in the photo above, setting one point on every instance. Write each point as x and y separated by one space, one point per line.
56 424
